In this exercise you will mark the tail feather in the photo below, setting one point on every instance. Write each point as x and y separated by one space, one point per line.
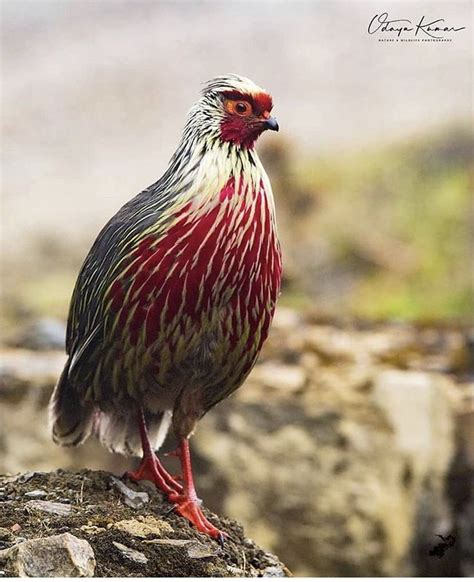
70 420
119 432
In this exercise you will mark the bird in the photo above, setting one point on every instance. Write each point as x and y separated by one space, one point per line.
175 298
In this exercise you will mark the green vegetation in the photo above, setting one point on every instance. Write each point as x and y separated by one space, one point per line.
395 225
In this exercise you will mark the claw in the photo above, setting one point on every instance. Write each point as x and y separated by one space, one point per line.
221 538
152 470
189 509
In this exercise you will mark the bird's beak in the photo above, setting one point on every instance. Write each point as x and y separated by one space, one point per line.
271 123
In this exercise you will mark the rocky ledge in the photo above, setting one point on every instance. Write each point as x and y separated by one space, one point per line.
91 523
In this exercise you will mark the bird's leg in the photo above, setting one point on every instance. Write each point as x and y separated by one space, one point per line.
151 468
187 503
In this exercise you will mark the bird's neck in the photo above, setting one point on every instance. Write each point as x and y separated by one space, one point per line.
209 169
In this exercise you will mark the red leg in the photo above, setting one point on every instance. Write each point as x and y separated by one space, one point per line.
187 502
150 468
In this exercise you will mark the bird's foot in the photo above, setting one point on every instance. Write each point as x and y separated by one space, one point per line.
152 470
188 508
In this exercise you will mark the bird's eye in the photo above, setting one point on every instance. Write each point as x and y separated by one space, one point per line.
242 108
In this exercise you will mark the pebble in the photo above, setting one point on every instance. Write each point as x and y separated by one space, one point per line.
274 572
177 543
25 477
92 529
46 333
236 572
144 526
48 507
280 376
134 499
36 494
130 554
194 549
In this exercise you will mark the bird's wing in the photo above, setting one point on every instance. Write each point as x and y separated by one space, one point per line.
85 328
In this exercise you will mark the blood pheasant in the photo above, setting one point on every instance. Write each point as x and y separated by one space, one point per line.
175 298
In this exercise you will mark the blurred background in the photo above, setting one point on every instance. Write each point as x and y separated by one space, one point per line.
352 444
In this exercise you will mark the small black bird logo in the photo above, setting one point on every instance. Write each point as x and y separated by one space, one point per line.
441 548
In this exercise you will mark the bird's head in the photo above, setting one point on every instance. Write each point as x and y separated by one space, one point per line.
235 110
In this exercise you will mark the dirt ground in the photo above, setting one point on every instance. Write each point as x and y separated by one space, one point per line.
97 506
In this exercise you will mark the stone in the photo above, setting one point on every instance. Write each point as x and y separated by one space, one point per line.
25 477
274 572
144 526
194 549
48 507
54 556
36 494
285 378
130 554
22 371
418 407
286 319
235 572
92 529
46 333
197 550
134 499
177 543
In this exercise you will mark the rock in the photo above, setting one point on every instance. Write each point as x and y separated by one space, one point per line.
177 543
235 572
135 499
48 507
198 551
274 572
25 477
54 556
331 344
340 469
416 399
144 526
129 554
280 377
44 334
23 370
286 319
194 549
36 494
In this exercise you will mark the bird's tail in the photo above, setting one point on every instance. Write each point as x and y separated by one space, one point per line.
119 431
70 419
